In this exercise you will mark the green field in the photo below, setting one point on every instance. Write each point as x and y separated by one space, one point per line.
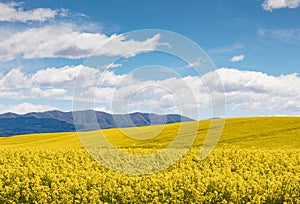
257 160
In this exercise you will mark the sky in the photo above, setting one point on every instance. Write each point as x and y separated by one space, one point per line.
201 59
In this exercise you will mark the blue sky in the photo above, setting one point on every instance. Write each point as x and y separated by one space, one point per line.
222 28
254 45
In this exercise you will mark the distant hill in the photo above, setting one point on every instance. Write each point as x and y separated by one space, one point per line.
58 121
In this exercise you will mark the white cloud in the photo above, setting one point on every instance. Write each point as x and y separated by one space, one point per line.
238 58
104 94
244 90
48 93
26 108
13 12
249 90
169 94
36 93
54 82
289 35
67 41
194 64
65 76
13 80
112 65
269 5
83 76
14 94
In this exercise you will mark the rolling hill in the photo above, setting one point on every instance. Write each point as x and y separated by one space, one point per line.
258 132
256 161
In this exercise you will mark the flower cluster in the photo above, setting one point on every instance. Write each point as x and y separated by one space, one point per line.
229 175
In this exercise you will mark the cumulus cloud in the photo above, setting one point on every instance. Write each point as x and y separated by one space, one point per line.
65 76
172 94
237 58
83 76
249 90
55 82
269 5
26 108
14 79
60 39
13 12
67 41
244 90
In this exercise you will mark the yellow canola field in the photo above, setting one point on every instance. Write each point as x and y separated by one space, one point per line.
257 160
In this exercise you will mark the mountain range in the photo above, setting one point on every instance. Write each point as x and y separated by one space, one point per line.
58 121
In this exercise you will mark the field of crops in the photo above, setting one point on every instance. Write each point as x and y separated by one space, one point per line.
257 160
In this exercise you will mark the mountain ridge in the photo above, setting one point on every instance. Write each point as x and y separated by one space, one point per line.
85 120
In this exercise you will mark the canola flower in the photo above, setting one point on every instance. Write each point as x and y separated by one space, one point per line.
257 160
229 175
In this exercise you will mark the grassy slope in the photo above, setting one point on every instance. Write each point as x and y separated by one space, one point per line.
259 132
